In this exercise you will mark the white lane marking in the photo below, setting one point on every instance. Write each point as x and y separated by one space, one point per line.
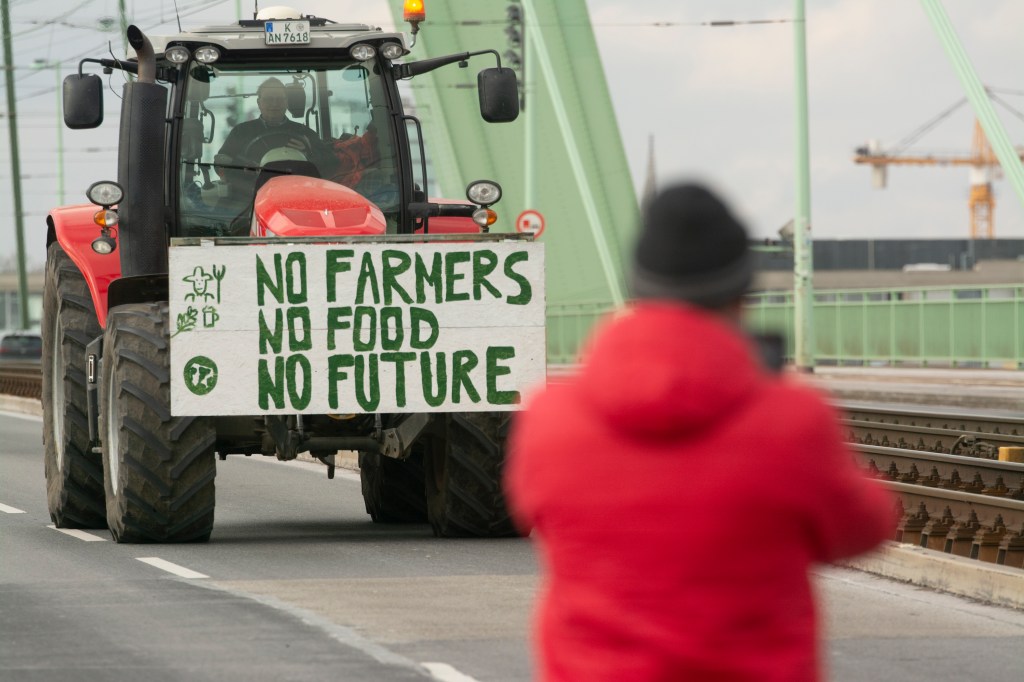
446 673
80 534
177 570
347 636
10 510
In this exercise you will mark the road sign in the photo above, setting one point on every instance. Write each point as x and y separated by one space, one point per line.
530 222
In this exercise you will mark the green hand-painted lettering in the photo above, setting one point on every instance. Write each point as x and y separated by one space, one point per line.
367 278
392 332
418 317
270 341
496 354
399 360
298 322
463 363
337 262
432 277
271 387
267 282
451 277
395 263
368 382
484 263
298 370
434 379
365 319
525 294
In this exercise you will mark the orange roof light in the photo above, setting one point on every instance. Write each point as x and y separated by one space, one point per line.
414 12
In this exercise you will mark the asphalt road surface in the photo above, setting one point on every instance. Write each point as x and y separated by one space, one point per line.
298 584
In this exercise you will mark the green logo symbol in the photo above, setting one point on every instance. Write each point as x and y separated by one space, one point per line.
200 375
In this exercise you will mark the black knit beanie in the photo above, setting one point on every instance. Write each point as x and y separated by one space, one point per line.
691 248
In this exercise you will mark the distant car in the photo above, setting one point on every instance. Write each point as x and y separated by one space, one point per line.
21 347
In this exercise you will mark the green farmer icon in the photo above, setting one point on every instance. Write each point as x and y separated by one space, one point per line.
200 375
205 291
200 281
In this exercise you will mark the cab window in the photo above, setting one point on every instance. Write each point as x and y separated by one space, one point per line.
330 122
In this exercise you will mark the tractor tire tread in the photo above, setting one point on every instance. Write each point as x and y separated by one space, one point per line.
74 483
469 501
166 466
393 490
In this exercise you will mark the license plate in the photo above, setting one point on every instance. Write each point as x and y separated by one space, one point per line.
287 32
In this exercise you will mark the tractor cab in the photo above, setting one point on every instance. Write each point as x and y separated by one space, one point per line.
304 109
329 128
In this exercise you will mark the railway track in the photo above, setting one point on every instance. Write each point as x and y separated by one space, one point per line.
956 495
22 379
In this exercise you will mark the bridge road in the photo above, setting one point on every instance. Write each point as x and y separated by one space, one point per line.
299 585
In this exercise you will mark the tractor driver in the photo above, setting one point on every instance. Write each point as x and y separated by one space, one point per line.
249 141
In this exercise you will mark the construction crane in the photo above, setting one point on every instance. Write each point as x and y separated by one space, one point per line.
982 162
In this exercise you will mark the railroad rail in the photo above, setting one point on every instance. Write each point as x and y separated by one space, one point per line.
21 378
955 495
969 433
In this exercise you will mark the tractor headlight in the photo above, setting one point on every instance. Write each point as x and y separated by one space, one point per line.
484 192
178 54
207 54
392 50
105 193
362 52
104 244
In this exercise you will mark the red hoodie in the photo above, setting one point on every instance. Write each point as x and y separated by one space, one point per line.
679 494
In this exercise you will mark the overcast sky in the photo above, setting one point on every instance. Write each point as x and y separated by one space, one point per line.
718 101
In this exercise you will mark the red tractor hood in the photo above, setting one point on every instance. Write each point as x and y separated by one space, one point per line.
299 206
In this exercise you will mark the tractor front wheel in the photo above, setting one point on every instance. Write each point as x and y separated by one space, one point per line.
158 469
74 473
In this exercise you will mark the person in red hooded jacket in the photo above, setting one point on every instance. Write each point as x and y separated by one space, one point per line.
679 490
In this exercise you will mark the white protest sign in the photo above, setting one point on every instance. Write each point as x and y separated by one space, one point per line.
355 328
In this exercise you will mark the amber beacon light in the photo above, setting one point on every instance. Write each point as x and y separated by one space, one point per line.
414 13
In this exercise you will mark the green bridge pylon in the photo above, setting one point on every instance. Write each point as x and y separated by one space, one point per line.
563 157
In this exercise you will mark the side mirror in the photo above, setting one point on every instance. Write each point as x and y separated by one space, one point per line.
83 101
499 95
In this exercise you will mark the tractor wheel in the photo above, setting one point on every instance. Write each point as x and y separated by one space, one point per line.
158 469
464 493
74 473
393 489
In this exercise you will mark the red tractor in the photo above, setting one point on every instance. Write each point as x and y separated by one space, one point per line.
269 276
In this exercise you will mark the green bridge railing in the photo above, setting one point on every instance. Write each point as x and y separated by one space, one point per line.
940 325
568 327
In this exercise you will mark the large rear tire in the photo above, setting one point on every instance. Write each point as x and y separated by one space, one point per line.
158 470
464 493
393 489
74 473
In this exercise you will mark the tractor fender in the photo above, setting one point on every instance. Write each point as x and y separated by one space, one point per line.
74 229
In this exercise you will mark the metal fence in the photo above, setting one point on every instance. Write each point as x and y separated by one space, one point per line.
568 327
949 326
941 326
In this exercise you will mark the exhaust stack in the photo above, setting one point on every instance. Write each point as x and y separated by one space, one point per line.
140 166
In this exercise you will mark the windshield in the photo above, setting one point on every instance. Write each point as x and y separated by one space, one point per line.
243 126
